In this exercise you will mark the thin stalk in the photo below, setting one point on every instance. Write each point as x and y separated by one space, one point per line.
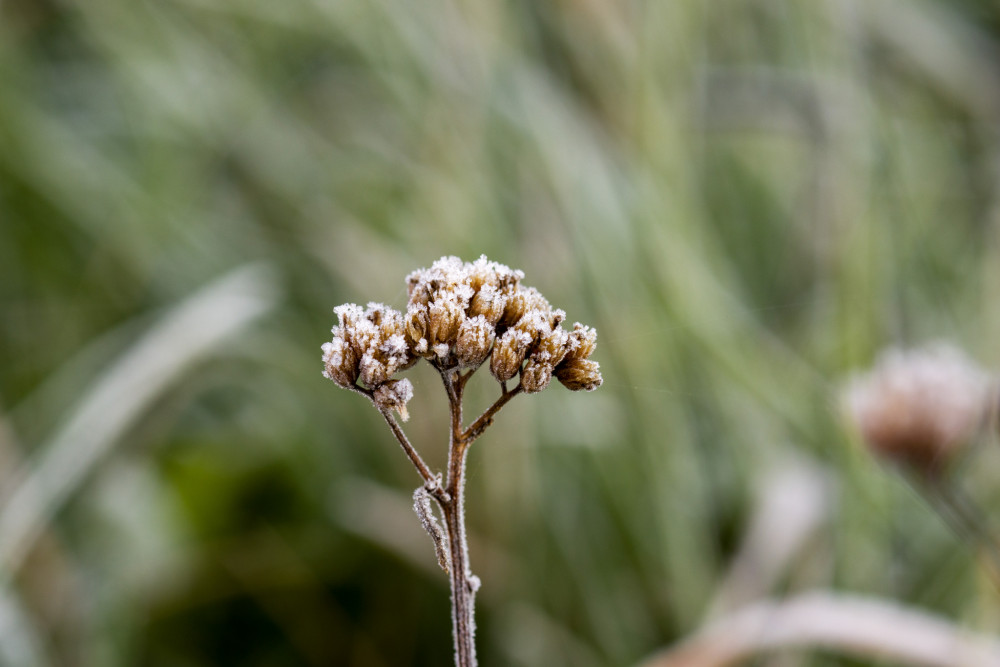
430 480
463 583
485 419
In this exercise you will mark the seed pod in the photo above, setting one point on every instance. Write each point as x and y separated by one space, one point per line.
582 342
339 362
475 338
508 354
394 395
445 316
551 346
520 303
373 371
489 303
536 375
577 374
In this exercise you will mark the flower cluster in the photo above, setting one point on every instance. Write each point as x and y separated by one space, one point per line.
368 345
460 314
918 407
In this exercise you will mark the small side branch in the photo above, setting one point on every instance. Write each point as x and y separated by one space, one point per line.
485 419
429 478
422 506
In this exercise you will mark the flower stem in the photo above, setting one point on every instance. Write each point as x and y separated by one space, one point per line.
463 583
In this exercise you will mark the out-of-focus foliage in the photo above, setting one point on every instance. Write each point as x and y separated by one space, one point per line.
747 198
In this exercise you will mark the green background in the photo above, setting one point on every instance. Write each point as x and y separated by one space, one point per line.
748 199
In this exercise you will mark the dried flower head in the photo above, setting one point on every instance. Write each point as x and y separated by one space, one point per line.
474 341
394 395
458 316
368 345
443 297
576 371
919 406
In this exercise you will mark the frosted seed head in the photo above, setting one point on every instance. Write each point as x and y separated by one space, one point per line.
581 343
373 371
919 407
577 374
475 338
551 346
445 316
417 321
535 376
394 395
508 354
368 345
521 302
339 362
489 303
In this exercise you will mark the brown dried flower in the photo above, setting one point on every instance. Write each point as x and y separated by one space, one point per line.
475 338
368 344
920 406
394 395
576 371
458 315
509 353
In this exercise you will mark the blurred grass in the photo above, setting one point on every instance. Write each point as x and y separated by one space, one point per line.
746 198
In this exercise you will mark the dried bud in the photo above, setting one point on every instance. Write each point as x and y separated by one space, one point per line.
417 322
483 272
394 395
577 374
509 353
367 344
548 350
551 347
919 407
445 316
522 302
488 302
582 342
535 376
475 338
339 362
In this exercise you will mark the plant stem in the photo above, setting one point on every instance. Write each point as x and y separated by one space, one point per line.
485 419
463 583
411 452
430 480
451 499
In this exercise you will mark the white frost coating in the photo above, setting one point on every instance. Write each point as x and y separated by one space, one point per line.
333 354
441 350
394 395
395 346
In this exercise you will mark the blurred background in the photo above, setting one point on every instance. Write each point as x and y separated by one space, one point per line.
747 198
